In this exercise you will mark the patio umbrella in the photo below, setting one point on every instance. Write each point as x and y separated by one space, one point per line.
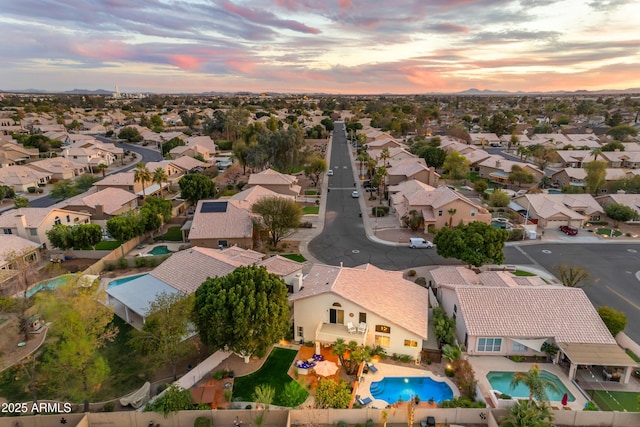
325 368
565 399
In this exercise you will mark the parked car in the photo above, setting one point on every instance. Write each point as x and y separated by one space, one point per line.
419 242
569 229
355 194
330 172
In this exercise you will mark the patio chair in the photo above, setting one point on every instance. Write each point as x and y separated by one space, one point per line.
372 368
365 401
429 422
362 327
350 328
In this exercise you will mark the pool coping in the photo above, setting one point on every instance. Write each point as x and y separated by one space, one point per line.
107 282
542 369
388 370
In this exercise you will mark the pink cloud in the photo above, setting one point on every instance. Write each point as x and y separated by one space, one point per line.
109 50
185 62
244 67
427 79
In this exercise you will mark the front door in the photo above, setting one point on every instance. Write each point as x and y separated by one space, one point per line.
336 316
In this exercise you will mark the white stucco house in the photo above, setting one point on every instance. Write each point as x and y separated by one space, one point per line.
363 304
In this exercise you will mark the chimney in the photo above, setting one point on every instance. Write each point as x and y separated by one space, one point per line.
297 283
21 225
99 211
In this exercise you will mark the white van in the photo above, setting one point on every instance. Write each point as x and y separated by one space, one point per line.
419 242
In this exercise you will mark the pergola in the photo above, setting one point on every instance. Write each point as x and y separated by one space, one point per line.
597 354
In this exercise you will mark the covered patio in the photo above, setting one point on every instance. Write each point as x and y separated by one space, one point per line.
607 361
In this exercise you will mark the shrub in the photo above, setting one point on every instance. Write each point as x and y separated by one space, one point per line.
152 262
517 358
421 281
224 145
448 371
109 267
218 375
411 273
109 407
306 224
31 189
140 261
590 406
227 395
202 422
248 406
380 211
123 263
504 396
342 424
369 423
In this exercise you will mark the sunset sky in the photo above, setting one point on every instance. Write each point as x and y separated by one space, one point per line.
335 46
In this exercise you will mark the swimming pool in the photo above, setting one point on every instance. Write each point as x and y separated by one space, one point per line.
501 381
392 389
160 250
50 284
123 280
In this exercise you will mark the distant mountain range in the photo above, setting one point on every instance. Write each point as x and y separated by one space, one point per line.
469 92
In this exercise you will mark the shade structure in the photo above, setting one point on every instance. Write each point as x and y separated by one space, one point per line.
325 368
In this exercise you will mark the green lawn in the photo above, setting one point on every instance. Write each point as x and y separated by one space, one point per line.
310 210
310 192
633 355
273 373
616 400
295 257
174 234
107 245
522 273
607 232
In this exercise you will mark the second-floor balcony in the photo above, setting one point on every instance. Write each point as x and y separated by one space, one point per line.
329 332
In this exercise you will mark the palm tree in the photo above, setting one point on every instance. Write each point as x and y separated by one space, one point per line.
524 415
536 384
160 177
371 167
523 152
142 174
381 175
384 155
339 349
362 158
596 152
451 213
451 352
102 167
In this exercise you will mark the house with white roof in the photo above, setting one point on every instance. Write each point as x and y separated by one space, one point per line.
500 314
440 207
554 210
275 181
20 178
184 271
411 168
33 223
59 168
383 308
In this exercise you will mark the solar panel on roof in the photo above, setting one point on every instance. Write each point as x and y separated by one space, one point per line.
213 207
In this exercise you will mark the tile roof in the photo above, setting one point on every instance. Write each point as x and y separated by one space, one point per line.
122 178
384 293
33 216
406 167
271 177
56 165
235 222
187 163
111 199
532 312
12 243
253 194
454 275
19 175
281 266
547 205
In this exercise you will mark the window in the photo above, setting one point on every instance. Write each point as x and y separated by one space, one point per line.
518 347
473 212
68 218
300 331
222 243
33 231
455 308
336 304
382 341
383 328
410 343
440 212
489 344
57 221
6 231
362 317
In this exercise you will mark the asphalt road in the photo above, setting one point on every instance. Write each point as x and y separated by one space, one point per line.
147 156
343 240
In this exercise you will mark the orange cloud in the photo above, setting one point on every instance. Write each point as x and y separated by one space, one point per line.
427 79
185 62
242 66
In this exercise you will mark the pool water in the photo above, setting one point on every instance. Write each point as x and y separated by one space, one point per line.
392 389
123 280
160 250
501 381
50 284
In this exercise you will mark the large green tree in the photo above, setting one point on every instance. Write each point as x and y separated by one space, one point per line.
474 244
520 176
81 326
130 134
164 335
86 235
64 189
455 165
621 132
280 216
596 173
620 213
332 394
315 167
126 226
245 311
61 236
194 187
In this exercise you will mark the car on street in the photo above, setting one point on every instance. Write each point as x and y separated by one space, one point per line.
569 229
330 172
355 194
419 242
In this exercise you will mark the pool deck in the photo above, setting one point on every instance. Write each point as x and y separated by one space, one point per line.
387 370
484 364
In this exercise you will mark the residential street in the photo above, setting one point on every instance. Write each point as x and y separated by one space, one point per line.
613 265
